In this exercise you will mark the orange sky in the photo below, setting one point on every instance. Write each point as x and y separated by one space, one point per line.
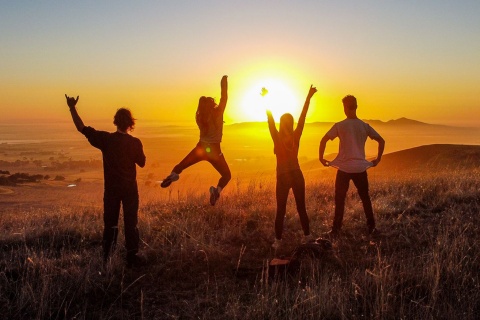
401 60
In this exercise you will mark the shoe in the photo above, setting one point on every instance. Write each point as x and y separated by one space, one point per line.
169 179
136 261
309 238
214 195
277 244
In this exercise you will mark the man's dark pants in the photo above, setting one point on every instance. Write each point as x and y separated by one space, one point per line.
342 181
128 197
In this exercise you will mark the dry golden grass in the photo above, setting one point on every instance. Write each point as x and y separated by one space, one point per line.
209 262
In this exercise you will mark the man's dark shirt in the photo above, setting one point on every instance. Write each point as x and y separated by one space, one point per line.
120 153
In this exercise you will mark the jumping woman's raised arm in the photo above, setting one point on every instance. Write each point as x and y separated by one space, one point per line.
72 102
303 115
224 94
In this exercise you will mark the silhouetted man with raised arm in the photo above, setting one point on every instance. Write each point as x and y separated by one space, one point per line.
351 162
121 153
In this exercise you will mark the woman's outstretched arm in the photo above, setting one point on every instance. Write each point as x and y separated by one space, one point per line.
224 93
72 102
303 115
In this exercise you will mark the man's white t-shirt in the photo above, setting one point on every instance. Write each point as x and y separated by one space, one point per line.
353 134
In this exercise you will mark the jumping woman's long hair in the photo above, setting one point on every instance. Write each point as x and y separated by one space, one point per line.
286 131
206 107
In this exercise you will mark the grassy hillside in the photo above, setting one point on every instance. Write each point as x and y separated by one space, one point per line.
209 262
435 157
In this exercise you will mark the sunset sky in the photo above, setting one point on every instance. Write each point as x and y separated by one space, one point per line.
414 59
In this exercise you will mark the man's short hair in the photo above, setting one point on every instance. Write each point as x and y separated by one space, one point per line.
350 102
123 119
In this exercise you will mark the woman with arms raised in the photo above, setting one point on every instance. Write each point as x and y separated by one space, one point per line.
289 175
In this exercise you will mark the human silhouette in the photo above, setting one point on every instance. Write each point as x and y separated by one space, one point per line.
351 162
209 118
286 143
121 153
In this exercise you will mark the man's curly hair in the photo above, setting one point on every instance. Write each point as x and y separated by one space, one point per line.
124 120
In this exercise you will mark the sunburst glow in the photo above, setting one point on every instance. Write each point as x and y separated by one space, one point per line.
271 94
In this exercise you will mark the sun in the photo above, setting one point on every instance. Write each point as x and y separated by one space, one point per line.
268 94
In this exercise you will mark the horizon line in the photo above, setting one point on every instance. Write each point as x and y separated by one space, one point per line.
41 122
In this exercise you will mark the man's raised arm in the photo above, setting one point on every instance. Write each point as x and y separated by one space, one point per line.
72 102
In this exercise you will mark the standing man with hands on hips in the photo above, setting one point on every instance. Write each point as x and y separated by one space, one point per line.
351 162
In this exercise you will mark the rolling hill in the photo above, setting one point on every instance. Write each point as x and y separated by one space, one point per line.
436 157
427 158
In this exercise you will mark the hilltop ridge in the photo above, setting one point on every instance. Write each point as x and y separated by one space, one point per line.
393 122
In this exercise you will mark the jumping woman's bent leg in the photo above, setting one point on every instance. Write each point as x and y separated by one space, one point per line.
196 155
220 164
298 187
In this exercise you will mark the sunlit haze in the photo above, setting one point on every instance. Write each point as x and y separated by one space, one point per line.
400 59
280 99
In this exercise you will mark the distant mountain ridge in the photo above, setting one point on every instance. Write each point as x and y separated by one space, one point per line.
404 122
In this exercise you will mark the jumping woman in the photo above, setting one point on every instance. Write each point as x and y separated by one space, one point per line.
286 142
209 118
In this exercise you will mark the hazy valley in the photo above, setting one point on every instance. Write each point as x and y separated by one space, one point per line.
58 150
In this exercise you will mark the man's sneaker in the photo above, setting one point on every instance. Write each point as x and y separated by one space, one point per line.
169 179
214 195
277 244
309 238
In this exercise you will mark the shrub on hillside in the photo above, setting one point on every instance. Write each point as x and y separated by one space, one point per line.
15 178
